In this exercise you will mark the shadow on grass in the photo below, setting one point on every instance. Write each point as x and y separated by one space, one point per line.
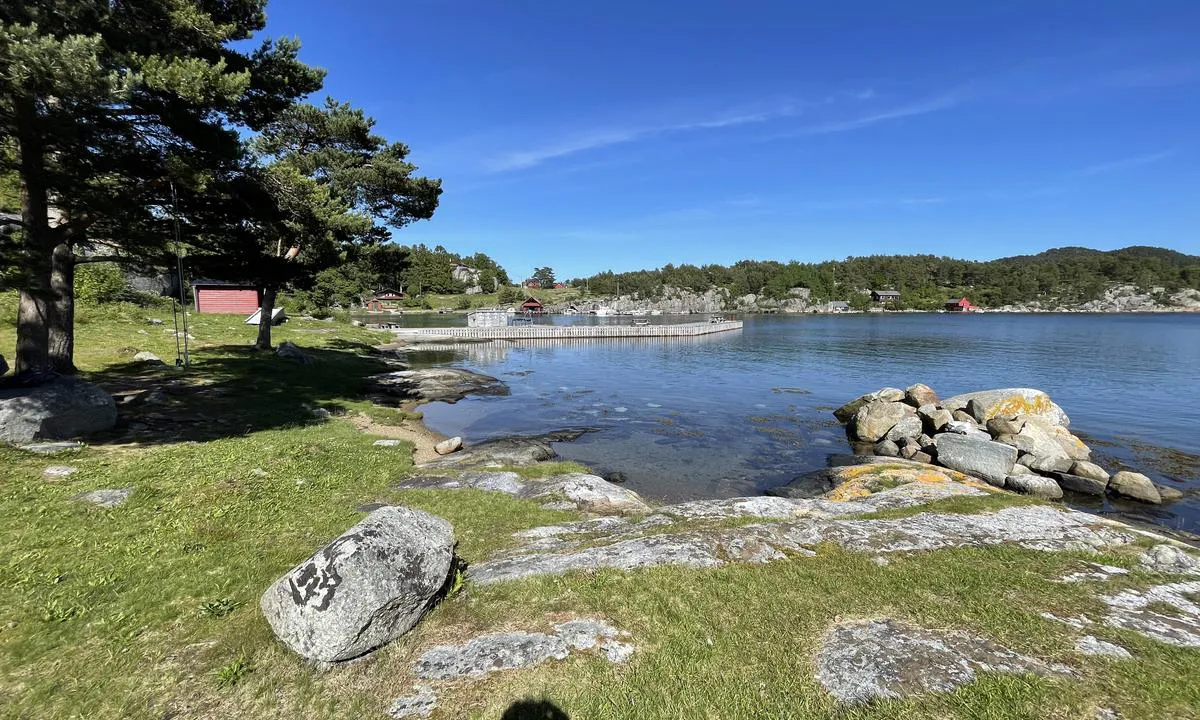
228 391
534 710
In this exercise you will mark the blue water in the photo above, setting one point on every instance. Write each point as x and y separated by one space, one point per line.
737 413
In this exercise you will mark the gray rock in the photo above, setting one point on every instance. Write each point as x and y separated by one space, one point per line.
1167 493
887 448
873 421
909 426
1005 425
909 447
1035 527
53 448
387 442
969 429
921 394
922 457
366 588
448 446
290 351
1134 485
1091 645
1141 611
441 384
1169 559
505 451
846 413
989 460
1009 402
590 493
61 409
1049 464
419 705
59 471
1035 485
107 498
1079 484
1022 443
1083 468
490 653
865 660
508 651
148 357
935 419
963 416
890 394
809 485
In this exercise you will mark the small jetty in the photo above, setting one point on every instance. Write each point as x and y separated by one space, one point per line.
573 332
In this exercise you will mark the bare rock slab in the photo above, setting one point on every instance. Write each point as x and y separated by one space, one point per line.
107 498
367 587
1092 645
867 660
1142 612
514 451
421 704
508 651
1169 559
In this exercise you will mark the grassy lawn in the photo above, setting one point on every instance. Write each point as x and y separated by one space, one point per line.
151 609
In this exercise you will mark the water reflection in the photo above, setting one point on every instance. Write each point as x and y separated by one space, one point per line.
702 417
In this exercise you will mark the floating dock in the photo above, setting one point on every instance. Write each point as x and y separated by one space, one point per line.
573 332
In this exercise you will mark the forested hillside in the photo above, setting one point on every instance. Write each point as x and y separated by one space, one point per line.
1068 275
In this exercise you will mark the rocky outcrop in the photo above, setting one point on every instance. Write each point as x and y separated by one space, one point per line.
574 491
58 410
441 384
1008 437
107 499
364 589
864 660
499 453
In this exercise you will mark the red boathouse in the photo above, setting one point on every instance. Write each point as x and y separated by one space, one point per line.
230 298
959 305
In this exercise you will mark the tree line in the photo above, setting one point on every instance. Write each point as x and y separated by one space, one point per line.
136 132
1067 275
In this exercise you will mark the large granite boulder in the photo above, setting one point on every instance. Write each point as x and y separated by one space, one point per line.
847 412
985 459
1134 485
367 587
909 427
60 409
873 420
1008 402
921 394
1035 485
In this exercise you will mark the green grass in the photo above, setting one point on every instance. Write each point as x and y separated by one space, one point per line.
151 609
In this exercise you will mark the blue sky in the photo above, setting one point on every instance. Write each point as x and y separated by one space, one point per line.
624 135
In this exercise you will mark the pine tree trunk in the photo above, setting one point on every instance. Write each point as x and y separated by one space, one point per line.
61 331
264 319
34 309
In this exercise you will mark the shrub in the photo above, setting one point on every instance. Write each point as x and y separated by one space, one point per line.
99 283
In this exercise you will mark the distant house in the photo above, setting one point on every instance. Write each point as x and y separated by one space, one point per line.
839 306
959 305
225 297
532 305
533 284
386 299
885 296
559 286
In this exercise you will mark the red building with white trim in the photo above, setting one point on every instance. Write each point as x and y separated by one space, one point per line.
959 305
222 297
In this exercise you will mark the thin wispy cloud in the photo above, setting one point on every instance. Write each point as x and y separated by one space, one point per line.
1128 163
897 113
524 159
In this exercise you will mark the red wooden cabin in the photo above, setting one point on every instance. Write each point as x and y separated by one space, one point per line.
231 298
959 305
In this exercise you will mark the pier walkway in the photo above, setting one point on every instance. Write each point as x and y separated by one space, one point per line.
573 332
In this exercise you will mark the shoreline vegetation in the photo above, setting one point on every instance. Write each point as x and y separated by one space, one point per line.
603 605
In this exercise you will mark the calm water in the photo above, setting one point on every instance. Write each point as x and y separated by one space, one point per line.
737 413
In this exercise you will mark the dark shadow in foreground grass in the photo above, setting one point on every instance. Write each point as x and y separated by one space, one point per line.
229 391
534 710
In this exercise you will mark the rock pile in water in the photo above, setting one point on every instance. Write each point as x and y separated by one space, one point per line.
1014 438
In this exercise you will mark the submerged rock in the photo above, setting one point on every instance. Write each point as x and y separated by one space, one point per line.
440 384
505 451
864 660
366 588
